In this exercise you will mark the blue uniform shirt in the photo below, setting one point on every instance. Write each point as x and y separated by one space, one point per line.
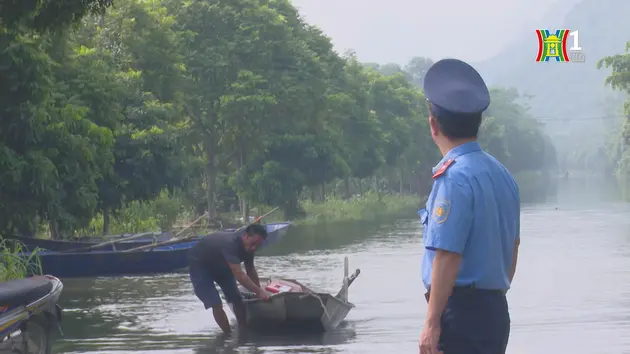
473 210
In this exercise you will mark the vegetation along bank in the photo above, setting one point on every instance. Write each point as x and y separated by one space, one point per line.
170 107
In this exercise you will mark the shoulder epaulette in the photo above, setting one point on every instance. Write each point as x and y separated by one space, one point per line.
440 171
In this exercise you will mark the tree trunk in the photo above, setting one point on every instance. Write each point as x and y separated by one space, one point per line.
401 190
54 232
292 208
211 182
244 205
105 221
346 187
322 192
377 188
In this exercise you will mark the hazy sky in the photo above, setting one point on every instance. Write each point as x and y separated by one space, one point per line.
396 30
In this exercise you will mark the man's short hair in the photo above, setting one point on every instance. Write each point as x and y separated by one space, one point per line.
257 229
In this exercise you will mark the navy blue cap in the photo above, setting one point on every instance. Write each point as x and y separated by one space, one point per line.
455 87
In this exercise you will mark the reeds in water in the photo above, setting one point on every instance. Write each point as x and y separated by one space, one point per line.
17 261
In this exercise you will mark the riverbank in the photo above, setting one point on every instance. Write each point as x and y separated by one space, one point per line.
166 211
367 207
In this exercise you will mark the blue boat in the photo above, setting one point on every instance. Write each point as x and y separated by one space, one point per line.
32 243
108 263
158 260
84 246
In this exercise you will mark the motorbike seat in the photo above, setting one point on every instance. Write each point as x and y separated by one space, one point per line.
22 292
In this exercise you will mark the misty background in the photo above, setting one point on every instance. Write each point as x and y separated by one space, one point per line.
579 112
397 30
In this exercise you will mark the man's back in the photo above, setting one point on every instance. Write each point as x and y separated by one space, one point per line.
487 258
211 251
475 211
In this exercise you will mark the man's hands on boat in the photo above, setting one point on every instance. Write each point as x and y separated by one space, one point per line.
249 280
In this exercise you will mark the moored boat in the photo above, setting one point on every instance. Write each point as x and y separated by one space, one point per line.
29 314
276 232
294 307
160 259
116 243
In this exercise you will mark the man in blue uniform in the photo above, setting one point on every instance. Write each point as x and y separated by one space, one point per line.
471 222
217 258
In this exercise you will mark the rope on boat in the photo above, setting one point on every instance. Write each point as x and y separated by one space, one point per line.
310 293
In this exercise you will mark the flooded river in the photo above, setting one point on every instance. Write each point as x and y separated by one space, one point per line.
571 293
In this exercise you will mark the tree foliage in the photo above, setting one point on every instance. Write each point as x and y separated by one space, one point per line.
618 150
227 102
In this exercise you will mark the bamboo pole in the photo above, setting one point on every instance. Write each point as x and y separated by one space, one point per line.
175 239
99 245
178 240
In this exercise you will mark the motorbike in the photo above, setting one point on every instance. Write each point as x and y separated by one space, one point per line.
29 314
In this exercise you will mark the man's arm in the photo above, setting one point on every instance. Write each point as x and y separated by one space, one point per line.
244 278
517 241
445 269
514 258
251 271
447 237
234 262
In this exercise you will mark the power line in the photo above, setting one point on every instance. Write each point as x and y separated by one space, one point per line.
593 118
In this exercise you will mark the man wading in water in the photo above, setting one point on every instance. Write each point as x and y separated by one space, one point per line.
217 258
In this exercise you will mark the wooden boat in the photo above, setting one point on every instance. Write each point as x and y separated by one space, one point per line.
275 230
154 260
294 307
118 244
158 260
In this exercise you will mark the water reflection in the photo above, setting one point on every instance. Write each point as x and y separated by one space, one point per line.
309 238
248 342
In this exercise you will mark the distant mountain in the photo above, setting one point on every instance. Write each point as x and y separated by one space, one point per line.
567 92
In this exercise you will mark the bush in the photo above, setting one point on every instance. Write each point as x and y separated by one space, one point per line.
366 207
15 265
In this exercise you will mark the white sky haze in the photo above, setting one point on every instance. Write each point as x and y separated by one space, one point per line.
396 30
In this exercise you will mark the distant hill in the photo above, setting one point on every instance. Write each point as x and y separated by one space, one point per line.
568 97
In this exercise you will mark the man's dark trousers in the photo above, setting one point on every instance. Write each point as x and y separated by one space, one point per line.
475 321
203 283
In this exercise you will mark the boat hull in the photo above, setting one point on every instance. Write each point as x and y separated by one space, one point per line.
60 245
300 312
158 260
276 232
106 263
297 310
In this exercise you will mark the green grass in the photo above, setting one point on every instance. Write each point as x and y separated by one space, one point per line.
366 207
159 214
164 212
14 265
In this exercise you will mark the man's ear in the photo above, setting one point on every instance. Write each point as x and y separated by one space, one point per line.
434 126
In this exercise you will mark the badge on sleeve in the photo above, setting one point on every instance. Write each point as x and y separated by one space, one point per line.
441 211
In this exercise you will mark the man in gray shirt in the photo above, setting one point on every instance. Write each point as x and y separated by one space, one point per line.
217 258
